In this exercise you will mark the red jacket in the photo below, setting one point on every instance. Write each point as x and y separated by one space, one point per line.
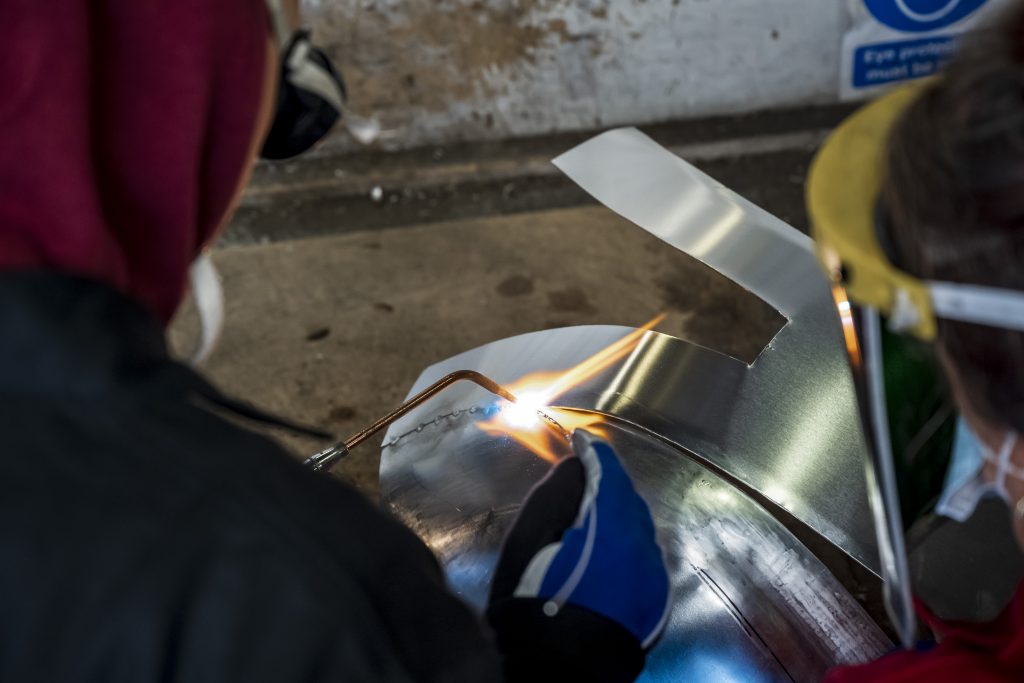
966 653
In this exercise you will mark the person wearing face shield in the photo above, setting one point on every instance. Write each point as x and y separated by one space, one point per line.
145 535
917 208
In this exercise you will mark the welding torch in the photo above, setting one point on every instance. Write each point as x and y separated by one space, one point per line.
328 457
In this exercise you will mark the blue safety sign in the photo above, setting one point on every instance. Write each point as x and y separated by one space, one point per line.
921 15
891 62
891 41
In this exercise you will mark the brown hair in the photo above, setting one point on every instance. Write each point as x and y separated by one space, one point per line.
954 200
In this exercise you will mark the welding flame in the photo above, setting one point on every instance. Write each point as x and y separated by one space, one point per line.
524 420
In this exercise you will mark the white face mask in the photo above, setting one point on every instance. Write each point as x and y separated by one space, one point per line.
965 484
209 299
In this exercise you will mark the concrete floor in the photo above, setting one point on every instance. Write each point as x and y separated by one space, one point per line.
347 275
335 330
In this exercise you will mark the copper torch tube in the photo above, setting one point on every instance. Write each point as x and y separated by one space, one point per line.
431 391
326 458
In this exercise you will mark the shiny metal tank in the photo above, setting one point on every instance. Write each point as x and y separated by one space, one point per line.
751 603
695 427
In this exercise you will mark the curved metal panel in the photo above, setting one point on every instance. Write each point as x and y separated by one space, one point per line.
781 435
786 425
751 603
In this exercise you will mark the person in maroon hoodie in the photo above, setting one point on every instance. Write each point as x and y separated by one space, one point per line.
929 226
144 535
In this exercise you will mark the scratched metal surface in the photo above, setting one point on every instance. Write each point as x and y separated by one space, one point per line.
751 603
785 425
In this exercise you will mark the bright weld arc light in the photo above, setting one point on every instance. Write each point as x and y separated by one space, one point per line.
524 422
525 412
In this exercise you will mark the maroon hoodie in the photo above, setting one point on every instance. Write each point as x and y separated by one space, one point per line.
125 128
967 652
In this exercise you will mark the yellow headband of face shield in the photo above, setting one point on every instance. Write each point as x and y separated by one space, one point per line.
843 187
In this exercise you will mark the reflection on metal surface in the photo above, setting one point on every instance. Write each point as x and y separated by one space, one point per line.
752 604
787 424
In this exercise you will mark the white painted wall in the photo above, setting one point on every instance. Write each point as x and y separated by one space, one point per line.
436 71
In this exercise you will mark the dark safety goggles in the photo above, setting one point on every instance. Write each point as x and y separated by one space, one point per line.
311 95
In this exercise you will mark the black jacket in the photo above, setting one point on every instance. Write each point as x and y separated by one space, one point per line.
145 538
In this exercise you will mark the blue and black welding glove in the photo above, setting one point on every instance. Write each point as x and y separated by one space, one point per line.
581 591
